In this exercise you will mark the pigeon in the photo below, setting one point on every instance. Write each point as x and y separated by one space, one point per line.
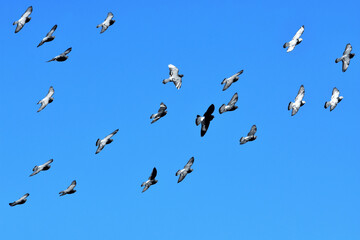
231 80
62 57
43 167
250 137
174 77
24 19
187 169
108 22
107 140
150 181
49 37
205 120
20 201
335 99
230 106
295 106
161 113
46 100
295 40
347 55
69 190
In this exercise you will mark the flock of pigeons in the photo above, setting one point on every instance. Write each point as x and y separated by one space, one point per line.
176 78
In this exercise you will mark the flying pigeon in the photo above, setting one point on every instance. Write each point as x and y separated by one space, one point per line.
174 76
205 120
295 106
43 167
250 137
347 55
62 57
24 19
295 40
46 100
20 201
230 106
335 99
187 169
150 181
69 190
49 37
231 80
108 22
161 113
107 140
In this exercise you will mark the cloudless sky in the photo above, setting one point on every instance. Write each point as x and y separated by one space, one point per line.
298 180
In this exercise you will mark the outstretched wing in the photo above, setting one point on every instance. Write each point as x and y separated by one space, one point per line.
27 12
111 134
299 32
189 163
51 31
72 186
233 100
335 93
174 71
68 51
48 162
300 94
50 92
153 174
43 105
23 197
252 130
210 110
237 74
109 16
348 49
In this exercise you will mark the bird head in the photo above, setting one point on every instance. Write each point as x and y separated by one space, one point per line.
340 98
302 103
299 40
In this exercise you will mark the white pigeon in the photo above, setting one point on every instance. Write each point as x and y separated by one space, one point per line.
174 76
46 100
187 169
100 143
335 99
250 137
345 58
161 113
295 106
108 22
23 20
150 181
230 106
20 201
69 190
49 37
231 80
43 167
295 40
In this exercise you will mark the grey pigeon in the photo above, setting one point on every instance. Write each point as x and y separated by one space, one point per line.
161 113
43 167
150 181
295 106
23 20
230 106
174 76
205 120
107 140
69 190
187 169
20 201
231 80
335 99
47 99
250 137
295 40
108 22
62 57
347 55
49 37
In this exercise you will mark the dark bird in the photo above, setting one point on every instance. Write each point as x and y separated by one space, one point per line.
295 106
62 57
250 137
49 37
20 201
174 76
69 190
347 55
335 99
107 23
150 181
44 167
47 99
230 106
205 120
161 113
23 20
187 169
231 80
107 140
296 40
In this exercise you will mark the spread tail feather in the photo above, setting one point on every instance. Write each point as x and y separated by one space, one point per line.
286 45
290 105
327 104
198 120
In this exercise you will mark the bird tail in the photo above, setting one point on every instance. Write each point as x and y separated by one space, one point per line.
51 60
12 204
290 105
165 81
242 140
198 120
327 104
338 59
286 45
177 173
152 116
62 193
98 25
222 109
97 142
14 23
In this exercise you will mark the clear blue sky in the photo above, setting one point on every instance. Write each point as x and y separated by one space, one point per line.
299 179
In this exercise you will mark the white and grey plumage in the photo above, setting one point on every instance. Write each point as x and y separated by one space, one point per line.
205 120
230 106
100 143
231 80
345 58
187 169
295 106
49 37
108 22
62 57
47 99
23 20
174 76
20 201
161 113
44 167
250 137
335 99
69 190
150 181
295 40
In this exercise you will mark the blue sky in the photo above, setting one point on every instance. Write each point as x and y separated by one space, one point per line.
298 180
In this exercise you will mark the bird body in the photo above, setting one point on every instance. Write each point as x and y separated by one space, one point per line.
23 20
296 40
250 137
108 22
231 80
20 201
69 190
205 120
150 181
174 76
101 143
345 58
335 99
47 99
295 106
44 167
230 106
161 113
187 169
